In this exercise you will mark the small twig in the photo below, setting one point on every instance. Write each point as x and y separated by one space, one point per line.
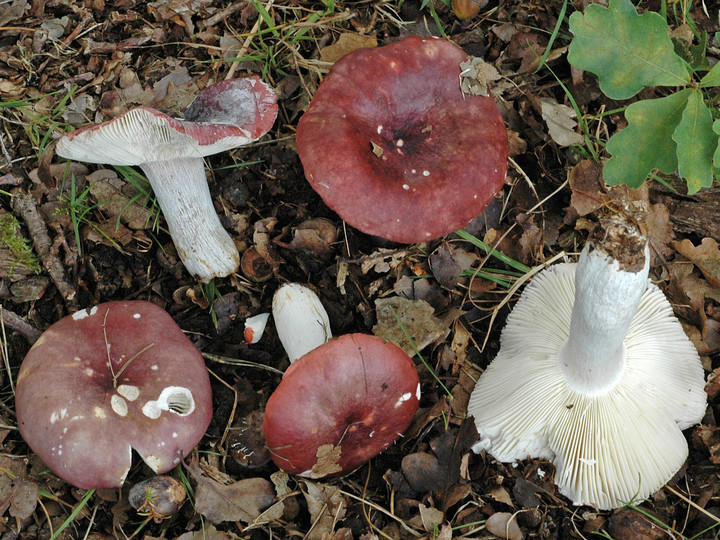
691 503
24 204
246 43
238 362
18 324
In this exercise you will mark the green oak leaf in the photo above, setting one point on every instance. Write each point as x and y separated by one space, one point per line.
716 158
647 141
696 143
625 50
712 77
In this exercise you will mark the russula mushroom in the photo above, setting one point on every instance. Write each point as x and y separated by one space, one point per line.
102 382
170 152
595 374
396 149
342 401
340 405
301 321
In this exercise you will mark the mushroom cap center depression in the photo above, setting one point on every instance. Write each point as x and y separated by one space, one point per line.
401 152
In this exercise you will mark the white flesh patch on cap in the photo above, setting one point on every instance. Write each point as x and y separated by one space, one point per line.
128 391
99 412
403 399
79 315
119 405
153 462
58 415
175 399
417 392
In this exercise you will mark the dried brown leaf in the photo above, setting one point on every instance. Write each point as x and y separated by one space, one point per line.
346 43
326 505
243 500
416 316
504 525
706 257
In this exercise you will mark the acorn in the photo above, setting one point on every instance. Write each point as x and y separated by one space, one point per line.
158 497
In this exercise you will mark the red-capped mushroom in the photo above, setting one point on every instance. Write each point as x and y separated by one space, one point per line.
102 382
225 115
392 144
340 405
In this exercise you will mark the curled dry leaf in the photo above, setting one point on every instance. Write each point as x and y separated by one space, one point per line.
706 257
416 316
561 122
504 525
588 193
327 506
242 500
115 196
346 43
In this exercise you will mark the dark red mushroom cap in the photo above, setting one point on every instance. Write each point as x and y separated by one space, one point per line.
340 405
396 149
102 382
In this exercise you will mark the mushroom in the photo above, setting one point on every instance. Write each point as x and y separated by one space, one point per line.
102 382
301 321
340 405
392 144
341 402
595 374
223 116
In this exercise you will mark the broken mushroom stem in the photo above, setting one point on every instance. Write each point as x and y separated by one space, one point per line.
612 277
300 319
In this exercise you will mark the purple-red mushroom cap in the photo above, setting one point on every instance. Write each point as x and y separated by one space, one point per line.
340 405
102 382
396 149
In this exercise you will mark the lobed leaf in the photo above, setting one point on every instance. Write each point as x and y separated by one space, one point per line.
625 50
716 157
647 142
696 143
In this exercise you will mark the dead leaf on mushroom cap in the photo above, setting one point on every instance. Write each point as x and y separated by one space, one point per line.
476 75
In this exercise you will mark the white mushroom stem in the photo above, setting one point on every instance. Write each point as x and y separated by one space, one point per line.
607 296
300 319
204 246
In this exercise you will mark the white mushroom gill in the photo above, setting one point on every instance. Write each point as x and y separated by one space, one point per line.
600 391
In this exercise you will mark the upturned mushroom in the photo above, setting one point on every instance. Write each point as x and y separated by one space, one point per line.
395 147
170 152
594 374
102 382
343 401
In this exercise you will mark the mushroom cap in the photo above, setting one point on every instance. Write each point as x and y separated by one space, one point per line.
223 116
607 449
83 426
340 405
396 149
